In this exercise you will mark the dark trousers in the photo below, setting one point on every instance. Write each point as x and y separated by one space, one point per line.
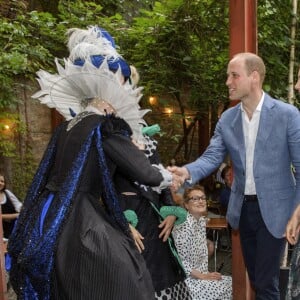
262 252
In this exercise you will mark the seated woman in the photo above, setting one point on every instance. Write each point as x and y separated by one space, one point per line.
190 240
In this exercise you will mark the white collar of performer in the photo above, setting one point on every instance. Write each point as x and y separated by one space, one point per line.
73 84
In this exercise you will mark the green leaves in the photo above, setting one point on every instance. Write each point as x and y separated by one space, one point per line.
180 47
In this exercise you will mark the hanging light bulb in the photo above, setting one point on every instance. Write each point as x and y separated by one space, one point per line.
152 100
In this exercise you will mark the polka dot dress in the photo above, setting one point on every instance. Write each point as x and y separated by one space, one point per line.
150 146
190 240
179 291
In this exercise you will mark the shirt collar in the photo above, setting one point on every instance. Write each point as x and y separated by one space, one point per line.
193 220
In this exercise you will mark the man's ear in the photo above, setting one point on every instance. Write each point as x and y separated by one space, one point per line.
255 75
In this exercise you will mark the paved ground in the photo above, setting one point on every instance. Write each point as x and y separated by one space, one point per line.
223 262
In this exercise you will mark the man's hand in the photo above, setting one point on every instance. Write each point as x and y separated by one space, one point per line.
137 238
180 175
293 227
167 226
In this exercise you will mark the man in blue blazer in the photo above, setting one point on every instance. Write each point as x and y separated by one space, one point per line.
262 137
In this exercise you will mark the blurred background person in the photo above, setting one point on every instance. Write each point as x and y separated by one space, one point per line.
10 207
226 175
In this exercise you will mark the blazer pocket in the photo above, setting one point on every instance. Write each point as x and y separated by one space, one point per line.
284 193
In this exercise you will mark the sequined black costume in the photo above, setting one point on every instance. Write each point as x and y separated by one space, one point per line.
71 240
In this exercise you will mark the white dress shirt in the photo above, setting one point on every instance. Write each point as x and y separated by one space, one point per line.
250 128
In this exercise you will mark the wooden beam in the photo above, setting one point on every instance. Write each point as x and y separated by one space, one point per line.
243 38
242 26
56 118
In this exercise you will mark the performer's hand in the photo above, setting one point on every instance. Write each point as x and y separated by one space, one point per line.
180 174
139 145
293 227
137 238
167 226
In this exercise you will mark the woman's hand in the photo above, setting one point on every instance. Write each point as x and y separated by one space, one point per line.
137 238
206 276
212 276
167 226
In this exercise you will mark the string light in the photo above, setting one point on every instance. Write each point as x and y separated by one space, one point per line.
7 127
152 100
169 111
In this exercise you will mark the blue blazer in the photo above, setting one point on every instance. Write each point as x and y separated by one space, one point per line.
277 148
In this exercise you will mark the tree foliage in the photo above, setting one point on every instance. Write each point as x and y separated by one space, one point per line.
173 43
180 47
274 22
177 61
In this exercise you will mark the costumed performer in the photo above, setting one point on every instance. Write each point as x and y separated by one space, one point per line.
151 211
72 240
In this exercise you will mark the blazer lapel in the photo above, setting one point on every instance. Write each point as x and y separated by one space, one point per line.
265 122
264 130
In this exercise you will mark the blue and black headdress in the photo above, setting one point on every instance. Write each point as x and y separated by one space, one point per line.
95 45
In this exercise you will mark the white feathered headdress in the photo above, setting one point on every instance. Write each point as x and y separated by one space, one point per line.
73 84
102 41
94 45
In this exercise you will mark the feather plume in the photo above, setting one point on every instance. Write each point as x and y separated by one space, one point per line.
83 43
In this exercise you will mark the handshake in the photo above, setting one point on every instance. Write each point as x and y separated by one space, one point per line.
174 177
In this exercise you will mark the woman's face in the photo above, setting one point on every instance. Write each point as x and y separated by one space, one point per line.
196 203
297 85
2 182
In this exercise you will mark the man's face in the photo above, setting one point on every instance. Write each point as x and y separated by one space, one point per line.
297 85
238 81
228 178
